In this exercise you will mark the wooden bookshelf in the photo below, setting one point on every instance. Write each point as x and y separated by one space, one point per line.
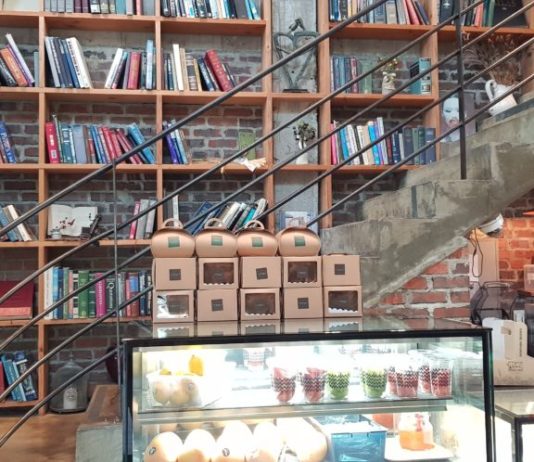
269 101
10 404
76 322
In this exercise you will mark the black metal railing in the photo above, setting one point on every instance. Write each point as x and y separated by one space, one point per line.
459 88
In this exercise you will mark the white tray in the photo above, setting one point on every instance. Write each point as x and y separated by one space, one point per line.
394 453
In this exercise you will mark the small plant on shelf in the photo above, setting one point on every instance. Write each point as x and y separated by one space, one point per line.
389 73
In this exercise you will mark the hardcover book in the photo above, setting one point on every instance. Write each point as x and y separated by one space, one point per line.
20 304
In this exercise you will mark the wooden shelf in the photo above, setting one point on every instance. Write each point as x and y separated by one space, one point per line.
371 169
77 169
102 95
111 22
19 245
19 168
381 31
245 98
195 26
305 168
287 97
13 322
68 322
365 99
201 167
19 93
19 19
448 33
10 404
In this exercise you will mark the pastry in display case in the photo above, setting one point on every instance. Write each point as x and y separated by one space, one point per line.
384 391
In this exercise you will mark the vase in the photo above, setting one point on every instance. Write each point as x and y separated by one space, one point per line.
388 83
494 91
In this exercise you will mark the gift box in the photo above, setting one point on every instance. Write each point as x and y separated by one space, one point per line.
341 270
259 304
217 305
303 303
173 306
302 272
174 273
342 302
220 328
218 273
261 272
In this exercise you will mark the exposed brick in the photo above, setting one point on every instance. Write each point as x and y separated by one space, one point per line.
409 312
393 299
445 283
438 268
418 283
460 268
460 297
463 312
429 297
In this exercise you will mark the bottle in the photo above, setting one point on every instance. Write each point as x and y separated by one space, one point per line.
416 431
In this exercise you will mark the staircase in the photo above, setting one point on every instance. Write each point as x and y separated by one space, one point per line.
401 233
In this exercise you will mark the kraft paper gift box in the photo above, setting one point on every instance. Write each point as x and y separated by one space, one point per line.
220 328
261 272
174 273
259 304
303 303
218 273
341 270
342 302
173 306
300 272
217 305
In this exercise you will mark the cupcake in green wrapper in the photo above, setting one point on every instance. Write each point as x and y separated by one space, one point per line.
338 384
373 382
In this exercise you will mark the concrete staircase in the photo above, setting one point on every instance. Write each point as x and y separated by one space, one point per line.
401 233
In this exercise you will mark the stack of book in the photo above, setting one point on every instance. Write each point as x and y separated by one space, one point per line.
176 145
14 72
12 366
130 7
21 233
132 70
389 151
344 69
144 227
7 153
234 215
184 72
100 297
67 63
391 12
93 144
216 9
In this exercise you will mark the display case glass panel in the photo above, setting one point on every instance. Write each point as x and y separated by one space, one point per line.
335 391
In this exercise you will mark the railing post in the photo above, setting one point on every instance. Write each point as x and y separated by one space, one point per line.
460 80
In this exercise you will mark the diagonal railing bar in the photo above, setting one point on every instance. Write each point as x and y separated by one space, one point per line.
420 150
391 131
53 393
107 233
69 340
216 102
143 252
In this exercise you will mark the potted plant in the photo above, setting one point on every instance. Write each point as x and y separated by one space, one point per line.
388 75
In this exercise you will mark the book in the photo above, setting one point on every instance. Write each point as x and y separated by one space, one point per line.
12 375
20 304
20 362
70 220
20 60
6 146
422 86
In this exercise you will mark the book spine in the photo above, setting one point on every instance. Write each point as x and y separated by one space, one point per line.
66 146
85 6
150 221
133 225
133 282
171 147
133 77
177 69
114 67
137 136
4 221
6 143
102 143
83 297
205 75
110 293
121 70
213 60
20 60
149 68
92 297
6 74
21 364
95 6
100 295
430 153
51 56
110 149
78 6
13 67
70 74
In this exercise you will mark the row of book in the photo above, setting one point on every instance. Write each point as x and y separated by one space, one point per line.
486 14
177 146
144 226
234 215
67 63
14 71
390 12
184 72
12 366
93 144
389 151
129 7
20 233
7 152
132 70
216 9
99 299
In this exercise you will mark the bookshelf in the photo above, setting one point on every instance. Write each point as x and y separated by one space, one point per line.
265 98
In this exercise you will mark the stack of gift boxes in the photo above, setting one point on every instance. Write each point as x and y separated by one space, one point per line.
244 279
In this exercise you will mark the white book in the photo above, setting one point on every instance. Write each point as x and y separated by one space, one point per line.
189 9
20 228
75 64
48 295
175 208
353 147
214 9
19 5
173 72
130 7
401 146
150 219
51 61
114 67
222 11
184 69
20 60
74 44
70 220
369 157
261 205
149 59
178 66
141 221
234 208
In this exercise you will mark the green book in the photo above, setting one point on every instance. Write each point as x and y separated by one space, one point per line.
246 139
366 84
92 297
83 298
66 314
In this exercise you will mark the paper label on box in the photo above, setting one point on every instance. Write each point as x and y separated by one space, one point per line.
303 303
262 273
216 240
217 305
175 275
173 242
257 242
339 269
300 241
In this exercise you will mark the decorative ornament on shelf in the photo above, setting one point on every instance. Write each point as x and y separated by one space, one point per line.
388 75
303 133
286 43
74 397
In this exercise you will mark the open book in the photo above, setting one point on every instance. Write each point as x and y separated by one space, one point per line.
70 220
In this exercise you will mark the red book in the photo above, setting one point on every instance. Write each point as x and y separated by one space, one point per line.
212 59
133 76
133 225
138 7
127 147
52 143
115 143
389 150
13 66
414 19
100 296
102 138
91 149
20 304
109 144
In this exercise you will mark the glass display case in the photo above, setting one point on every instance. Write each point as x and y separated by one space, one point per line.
514 424
315 391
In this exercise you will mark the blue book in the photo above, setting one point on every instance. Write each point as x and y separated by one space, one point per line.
171 146
430 152
68 63
138 138
60 287
181 147
208 84
395 147
8 149
20 362
11 375
99 148
4 221
55 290
253 9
66 144
373 138
120 6
344 143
